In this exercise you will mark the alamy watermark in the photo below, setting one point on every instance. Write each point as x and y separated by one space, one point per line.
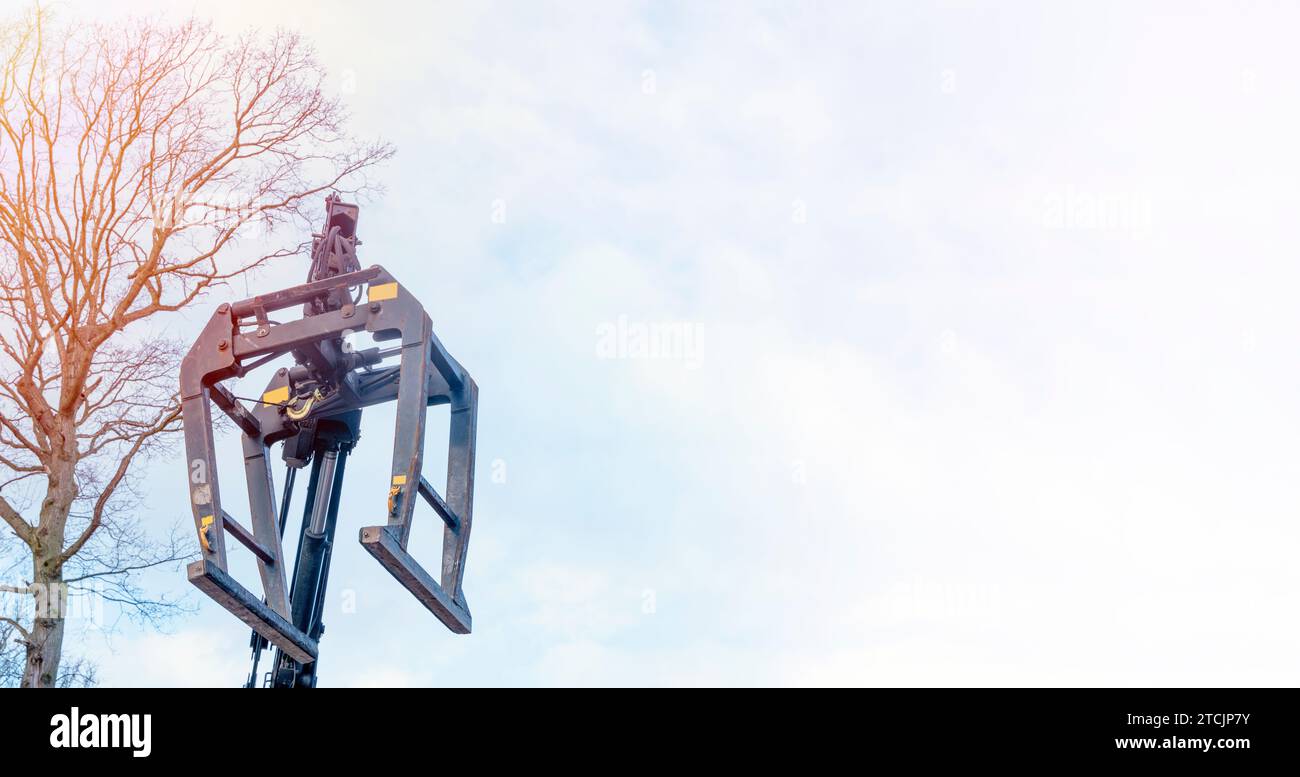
1082 210
625 338
83 601
78 729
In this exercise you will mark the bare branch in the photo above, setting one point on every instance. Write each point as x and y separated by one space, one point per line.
15 520
17 626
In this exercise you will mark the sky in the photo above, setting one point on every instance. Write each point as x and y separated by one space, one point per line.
973 343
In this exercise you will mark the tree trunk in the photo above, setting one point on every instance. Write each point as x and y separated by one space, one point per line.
45 648
44 651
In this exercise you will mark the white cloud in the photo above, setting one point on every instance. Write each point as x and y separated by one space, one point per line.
189 657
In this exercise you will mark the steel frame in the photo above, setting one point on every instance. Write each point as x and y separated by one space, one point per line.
241 336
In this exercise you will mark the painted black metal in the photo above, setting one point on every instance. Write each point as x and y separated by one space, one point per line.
314 409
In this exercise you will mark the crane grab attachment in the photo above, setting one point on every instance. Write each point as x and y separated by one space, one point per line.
313 409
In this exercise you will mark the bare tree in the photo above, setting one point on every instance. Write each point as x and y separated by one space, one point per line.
141 164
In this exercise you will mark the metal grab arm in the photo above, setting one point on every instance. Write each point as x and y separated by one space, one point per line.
314 410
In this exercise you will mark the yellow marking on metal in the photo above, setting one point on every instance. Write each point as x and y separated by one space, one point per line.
382 292
276 396
399 480
299 413
204 523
